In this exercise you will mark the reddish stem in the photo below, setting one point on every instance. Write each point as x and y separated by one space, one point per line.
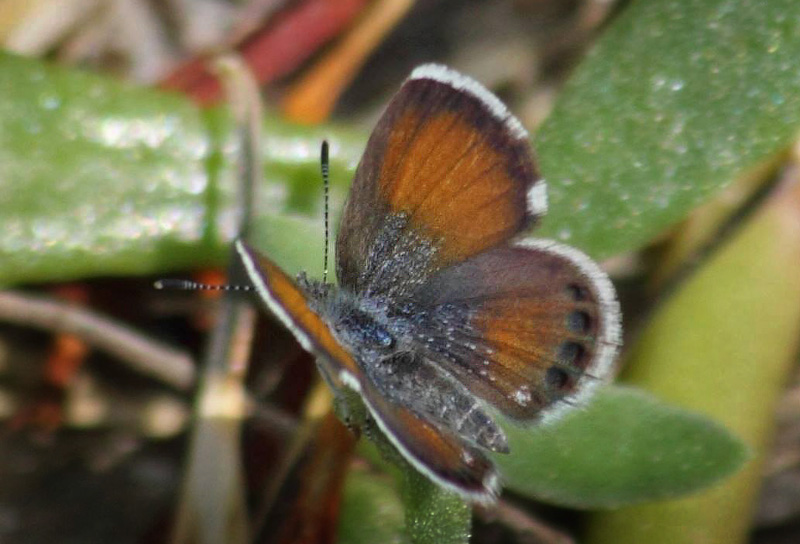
282 45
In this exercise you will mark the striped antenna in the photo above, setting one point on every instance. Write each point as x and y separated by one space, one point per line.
189 285
326 184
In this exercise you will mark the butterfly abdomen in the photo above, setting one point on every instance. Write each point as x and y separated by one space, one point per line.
411 380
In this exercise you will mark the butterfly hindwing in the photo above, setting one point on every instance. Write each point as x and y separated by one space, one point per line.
439 454
527 326
447 173
409 379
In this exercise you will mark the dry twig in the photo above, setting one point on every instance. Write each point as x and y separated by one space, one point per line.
139 352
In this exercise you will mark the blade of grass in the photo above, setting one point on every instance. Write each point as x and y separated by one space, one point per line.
723 345
313 98
212 505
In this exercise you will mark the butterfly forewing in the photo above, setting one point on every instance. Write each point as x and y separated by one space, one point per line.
290 304
447 174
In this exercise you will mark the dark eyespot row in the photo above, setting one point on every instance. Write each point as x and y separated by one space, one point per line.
569 353
577 292
556 378
579 322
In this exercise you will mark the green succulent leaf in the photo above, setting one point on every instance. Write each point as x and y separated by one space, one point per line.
678 98
433 515
624 447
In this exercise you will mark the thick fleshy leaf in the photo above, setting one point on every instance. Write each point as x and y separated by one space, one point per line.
100 178
723 345
624 447
678 99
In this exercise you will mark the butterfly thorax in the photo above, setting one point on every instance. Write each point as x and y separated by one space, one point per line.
361 324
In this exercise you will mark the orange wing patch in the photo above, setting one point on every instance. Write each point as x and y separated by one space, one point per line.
287 302
453 183
448 159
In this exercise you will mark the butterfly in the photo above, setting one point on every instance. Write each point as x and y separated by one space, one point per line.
444 314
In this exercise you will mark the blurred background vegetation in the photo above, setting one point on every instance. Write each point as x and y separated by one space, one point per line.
667 133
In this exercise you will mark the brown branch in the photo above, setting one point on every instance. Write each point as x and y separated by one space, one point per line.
527 527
